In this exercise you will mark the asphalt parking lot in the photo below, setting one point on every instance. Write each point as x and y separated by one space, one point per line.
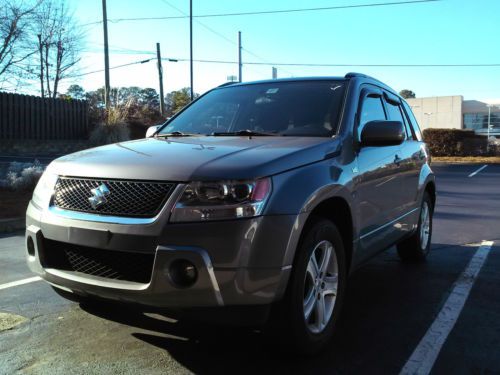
394 312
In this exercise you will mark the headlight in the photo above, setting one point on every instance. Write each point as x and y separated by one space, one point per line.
44 189
204 201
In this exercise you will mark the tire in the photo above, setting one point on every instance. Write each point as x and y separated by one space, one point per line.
296 331
417 247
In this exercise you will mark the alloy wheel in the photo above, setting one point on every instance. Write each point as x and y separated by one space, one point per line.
425 225
320 286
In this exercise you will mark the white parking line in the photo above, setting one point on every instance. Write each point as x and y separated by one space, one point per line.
476 172
20 282
425 354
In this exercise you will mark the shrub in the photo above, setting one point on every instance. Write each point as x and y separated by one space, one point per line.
106 134
113 129
24 176
455 142
141 118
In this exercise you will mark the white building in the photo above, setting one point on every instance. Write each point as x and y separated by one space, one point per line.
452 112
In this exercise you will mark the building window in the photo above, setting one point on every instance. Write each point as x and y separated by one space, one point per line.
480 120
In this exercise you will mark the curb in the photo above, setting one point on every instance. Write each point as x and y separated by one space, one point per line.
12 225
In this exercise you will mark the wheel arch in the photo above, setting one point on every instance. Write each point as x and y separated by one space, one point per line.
430 188
338 211
335 208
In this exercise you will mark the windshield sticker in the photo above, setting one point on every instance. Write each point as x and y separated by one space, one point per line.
263 100
272 91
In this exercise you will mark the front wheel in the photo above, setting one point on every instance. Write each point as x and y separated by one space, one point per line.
308 315
418 246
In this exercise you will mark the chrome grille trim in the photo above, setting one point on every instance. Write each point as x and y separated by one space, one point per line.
127 198
54 212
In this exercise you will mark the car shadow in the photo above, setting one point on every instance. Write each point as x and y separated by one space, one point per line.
389 305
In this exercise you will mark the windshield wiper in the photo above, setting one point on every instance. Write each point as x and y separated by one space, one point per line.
245 132
175 134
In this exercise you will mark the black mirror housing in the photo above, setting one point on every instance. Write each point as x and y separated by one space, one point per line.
382 133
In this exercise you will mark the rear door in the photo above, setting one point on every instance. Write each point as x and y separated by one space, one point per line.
409 164
412 154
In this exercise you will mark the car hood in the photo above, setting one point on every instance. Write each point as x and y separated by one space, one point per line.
196 158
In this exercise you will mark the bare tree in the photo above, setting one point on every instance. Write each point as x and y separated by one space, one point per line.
59 45
15 22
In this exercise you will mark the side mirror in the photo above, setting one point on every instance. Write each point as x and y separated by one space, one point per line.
382 133
151 130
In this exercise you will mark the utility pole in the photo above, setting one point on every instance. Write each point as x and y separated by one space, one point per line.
275 73
107 87
191 45
240 65
41 65
160 77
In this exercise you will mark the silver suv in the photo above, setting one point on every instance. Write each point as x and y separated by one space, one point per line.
258 197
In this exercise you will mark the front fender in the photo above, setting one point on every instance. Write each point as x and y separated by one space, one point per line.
300 191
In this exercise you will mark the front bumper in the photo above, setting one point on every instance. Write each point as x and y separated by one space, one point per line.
238 262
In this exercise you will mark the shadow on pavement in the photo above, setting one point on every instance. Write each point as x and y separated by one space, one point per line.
388 308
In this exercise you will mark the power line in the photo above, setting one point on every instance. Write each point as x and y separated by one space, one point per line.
200 23
347 65
113 67
253 63
316 9
263 12
219 34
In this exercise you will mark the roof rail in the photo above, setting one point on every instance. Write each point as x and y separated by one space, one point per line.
227 84
353 75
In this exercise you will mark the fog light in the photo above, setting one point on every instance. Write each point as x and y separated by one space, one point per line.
183 273
30 245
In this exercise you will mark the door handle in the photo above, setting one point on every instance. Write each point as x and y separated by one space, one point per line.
397 160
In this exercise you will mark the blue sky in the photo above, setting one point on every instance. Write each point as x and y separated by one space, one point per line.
444 32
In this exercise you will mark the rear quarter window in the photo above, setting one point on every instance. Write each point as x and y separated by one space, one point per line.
413 121
395 113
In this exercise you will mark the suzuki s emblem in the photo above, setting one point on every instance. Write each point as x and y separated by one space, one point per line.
99 195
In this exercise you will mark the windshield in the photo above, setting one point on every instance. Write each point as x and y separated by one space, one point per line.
301 108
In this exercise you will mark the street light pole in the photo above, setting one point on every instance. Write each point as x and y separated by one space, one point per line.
488 132
240 65
428 114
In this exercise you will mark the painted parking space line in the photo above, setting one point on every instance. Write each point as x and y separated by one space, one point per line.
20 282
425 354
477 171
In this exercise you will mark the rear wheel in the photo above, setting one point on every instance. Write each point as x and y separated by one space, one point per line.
417 247
307 317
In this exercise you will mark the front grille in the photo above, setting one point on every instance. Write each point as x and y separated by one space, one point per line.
111 264
125 198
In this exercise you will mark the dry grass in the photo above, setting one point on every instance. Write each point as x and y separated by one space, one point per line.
114 129
9 321
467 159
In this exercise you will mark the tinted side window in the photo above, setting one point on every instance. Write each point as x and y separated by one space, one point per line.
395 114
413 121
372 109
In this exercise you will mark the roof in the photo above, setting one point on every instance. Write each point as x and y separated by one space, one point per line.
291 79
348 76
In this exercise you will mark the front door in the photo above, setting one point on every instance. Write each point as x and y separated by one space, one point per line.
378 193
